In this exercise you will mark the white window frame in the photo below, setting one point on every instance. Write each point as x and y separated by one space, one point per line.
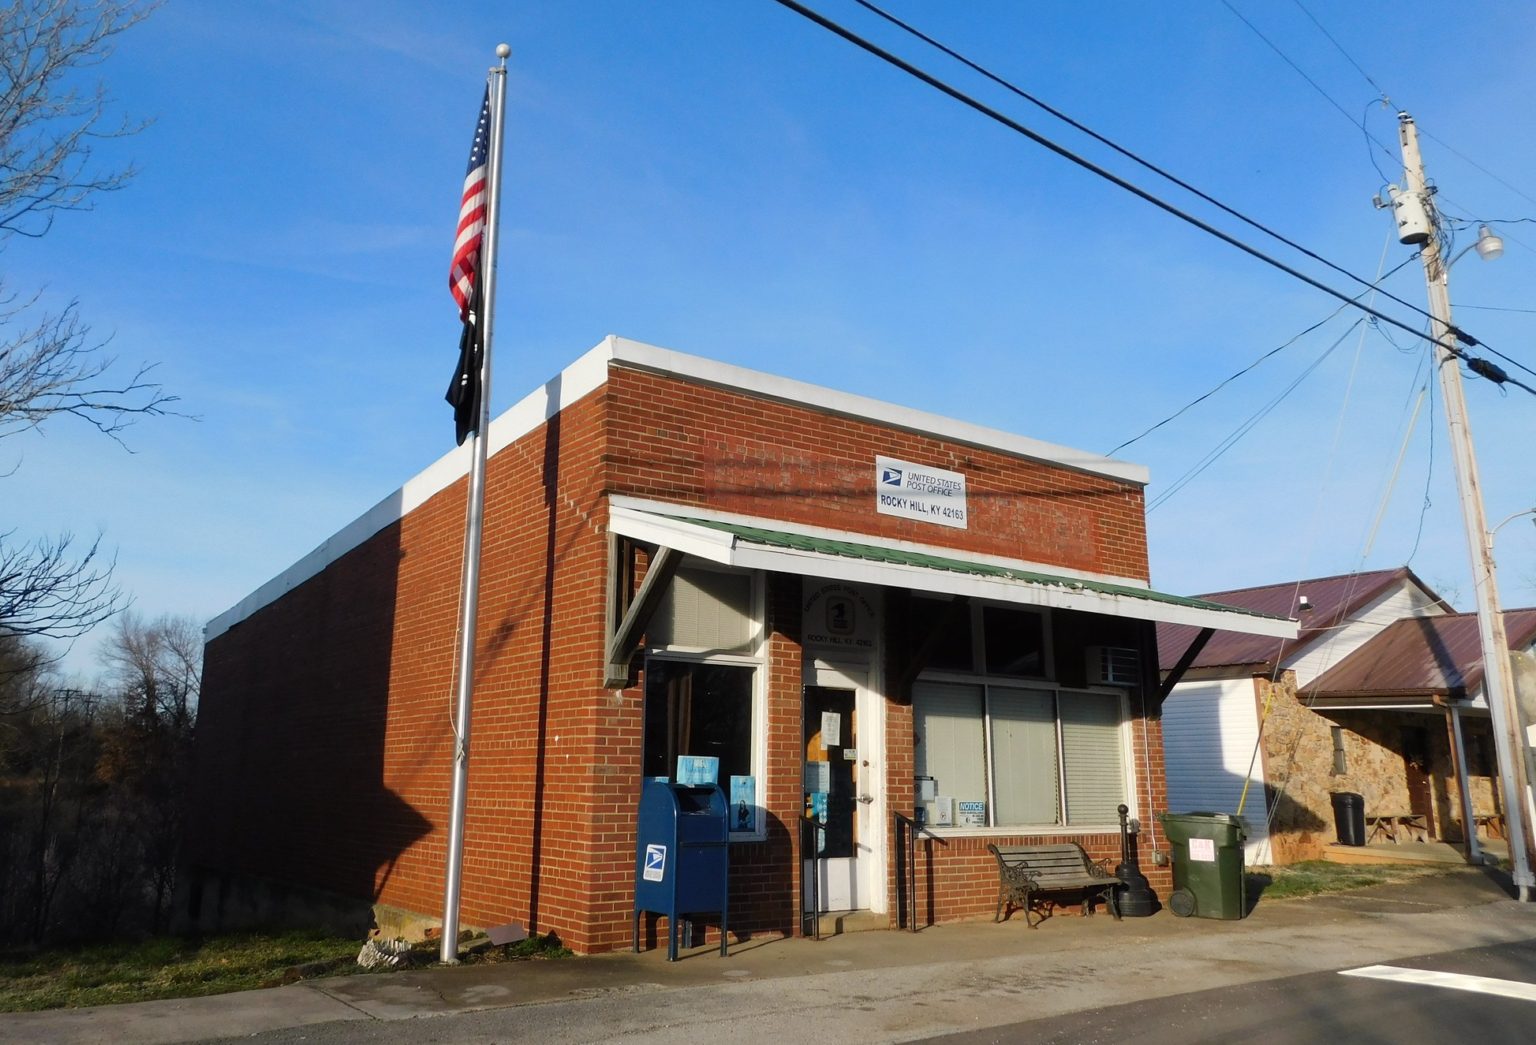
755 659
978 638
1042 684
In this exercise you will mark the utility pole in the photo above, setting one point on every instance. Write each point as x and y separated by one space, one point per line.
1412 208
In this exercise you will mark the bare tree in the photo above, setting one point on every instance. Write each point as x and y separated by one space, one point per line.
48 124
93 785
50 366
47 588
156 667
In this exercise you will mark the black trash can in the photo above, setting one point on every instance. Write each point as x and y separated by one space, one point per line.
1349 817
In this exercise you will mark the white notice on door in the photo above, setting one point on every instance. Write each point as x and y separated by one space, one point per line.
1203 850
831 729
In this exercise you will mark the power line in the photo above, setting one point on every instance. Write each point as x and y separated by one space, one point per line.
1429 474
1496 308
1127 153
1243 429
1379 89
1387 98
1218 387
1133 189
1480 367
1314 84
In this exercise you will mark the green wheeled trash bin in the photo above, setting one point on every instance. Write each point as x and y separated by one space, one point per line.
1208 878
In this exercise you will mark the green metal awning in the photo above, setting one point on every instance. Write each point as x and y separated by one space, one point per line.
754 545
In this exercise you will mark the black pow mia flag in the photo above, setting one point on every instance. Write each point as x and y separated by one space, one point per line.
464 390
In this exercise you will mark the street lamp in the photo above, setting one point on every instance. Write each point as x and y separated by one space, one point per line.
1512 518
1489 246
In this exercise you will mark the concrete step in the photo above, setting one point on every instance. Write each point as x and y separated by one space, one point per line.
1394 853
835 923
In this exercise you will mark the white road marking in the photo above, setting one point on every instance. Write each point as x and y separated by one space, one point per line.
1453 980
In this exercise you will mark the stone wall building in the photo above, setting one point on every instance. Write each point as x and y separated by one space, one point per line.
1369 699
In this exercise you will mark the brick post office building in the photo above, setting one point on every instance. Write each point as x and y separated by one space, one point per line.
830 594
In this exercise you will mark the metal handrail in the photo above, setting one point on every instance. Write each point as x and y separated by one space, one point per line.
909 828
816 827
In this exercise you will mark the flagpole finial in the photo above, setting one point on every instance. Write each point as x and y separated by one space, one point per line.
503 51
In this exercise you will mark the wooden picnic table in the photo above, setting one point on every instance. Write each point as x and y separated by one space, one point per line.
1491 823
1393 826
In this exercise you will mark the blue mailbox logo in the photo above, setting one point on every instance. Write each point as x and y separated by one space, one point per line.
655 863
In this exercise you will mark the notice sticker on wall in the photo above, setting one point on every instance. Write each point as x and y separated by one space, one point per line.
1203 850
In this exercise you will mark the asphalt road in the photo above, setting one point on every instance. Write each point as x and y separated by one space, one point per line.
1319 1007
1271 977
1315 1007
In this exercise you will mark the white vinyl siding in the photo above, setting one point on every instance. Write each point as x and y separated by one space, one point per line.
1405 600
1090 747
1210 730
1024 752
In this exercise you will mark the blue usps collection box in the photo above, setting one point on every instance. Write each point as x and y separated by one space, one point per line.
682 856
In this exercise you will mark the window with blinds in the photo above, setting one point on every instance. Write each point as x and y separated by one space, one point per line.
947 727
706 610
1055 758
1025 777
1091 755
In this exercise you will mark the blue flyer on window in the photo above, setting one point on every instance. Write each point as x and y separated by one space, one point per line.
743 801
698 770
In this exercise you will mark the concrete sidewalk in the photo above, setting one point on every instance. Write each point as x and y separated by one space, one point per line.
1153 956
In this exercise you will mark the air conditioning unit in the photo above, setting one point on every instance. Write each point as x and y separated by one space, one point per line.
1113 666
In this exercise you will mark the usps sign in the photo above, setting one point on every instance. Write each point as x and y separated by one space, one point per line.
915 491
655 869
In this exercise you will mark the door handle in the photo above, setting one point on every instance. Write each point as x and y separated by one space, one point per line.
866 799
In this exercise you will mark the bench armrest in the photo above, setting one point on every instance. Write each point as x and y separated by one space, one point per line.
1020 876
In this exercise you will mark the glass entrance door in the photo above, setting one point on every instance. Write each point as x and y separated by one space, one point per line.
837 794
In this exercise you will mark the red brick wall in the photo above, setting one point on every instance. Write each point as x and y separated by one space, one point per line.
325 746
325 732
725 450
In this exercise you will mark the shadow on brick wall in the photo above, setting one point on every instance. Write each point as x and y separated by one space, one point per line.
291 743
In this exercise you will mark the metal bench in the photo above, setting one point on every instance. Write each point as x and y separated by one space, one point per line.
1025 872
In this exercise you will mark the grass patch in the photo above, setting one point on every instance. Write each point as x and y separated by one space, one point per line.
166 967
1314 877
534 947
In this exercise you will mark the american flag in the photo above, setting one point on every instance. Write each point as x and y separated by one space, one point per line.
464 273
464 281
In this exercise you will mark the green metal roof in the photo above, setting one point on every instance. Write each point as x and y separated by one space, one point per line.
923 560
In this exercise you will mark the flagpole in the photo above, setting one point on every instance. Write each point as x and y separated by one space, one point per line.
473 525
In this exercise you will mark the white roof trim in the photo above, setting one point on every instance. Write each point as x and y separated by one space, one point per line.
588 373
728 550
1345 704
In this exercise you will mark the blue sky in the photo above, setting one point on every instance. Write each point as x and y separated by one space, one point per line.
726 179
